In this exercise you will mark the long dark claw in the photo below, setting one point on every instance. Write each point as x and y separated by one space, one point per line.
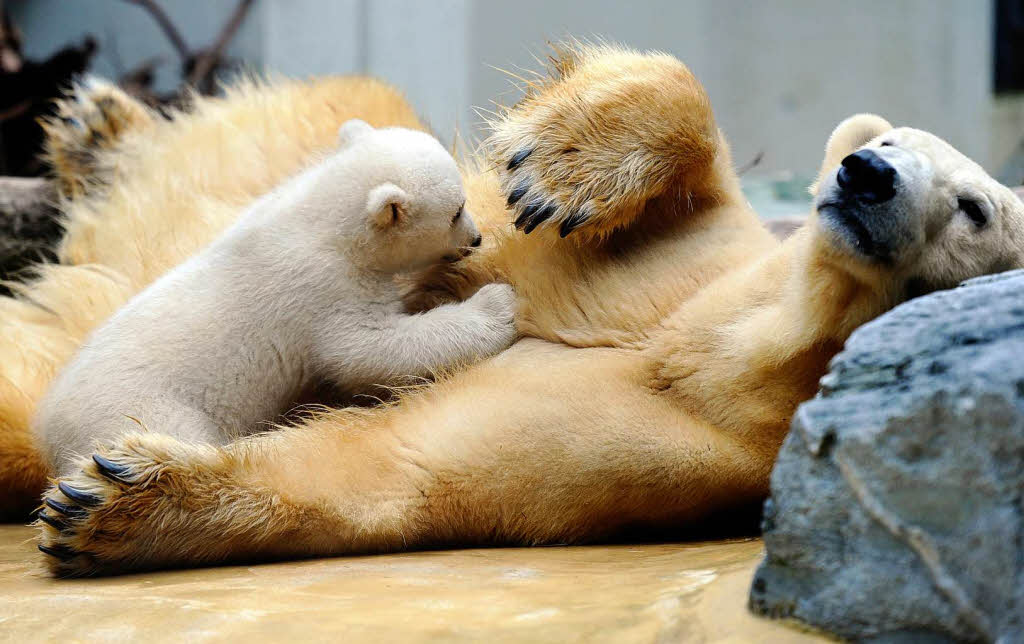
517 194
82 498
53 521
518 158
539 218
71 511
572 222
73 122
110 469
527 214
60 552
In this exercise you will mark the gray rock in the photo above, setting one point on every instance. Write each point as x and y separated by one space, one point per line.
897 509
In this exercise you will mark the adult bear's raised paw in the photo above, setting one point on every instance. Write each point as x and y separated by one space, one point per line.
581 152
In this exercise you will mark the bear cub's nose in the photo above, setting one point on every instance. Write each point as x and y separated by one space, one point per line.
477 241
868 177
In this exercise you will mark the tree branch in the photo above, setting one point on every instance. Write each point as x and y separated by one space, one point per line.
207 61
166 25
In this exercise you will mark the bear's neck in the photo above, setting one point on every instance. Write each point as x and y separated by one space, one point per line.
777 323
831 295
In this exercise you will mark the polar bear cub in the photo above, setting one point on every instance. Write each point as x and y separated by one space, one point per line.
300 290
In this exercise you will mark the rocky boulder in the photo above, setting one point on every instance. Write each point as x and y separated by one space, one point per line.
897 508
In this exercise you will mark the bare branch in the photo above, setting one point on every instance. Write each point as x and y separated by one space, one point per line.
10 43
166 25
750 165
207 61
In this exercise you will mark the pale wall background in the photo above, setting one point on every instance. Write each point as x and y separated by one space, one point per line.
780 73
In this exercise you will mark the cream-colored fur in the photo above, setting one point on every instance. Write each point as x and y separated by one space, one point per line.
300 289
144 219
670 338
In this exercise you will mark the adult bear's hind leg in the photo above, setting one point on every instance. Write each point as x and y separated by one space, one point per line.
542 444
586 150
153 501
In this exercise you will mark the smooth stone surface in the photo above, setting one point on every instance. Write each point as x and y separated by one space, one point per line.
897 510
620 593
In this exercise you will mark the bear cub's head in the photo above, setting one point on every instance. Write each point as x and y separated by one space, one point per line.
410 196
905 203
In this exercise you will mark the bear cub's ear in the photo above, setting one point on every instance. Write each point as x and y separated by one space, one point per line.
351 130
387 206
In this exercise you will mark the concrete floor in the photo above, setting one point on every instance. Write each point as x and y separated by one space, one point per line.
620 593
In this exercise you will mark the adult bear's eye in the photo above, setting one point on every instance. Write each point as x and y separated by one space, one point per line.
973 211
458 214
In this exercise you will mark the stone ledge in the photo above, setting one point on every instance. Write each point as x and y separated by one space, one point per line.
897 511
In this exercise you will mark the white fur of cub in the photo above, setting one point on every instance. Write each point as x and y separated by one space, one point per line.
300 289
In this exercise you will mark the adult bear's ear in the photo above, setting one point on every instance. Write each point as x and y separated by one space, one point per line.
351 130
848 136
387 206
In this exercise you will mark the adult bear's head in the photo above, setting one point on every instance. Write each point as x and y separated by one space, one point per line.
902 203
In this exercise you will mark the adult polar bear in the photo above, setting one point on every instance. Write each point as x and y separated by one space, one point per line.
669 336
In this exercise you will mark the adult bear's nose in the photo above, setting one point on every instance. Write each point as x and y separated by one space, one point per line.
867 176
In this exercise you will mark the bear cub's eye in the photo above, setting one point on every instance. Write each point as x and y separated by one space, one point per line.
885 143
458 214
973 211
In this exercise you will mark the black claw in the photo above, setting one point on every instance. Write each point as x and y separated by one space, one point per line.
572 222
518 158
539 218
517 194
82 498
73 122
70 511
110 469
53 521
527 214
60 552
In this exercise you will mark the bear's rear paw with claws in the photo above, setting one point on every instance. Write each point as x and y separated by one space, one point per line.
79 519
112 516
90 118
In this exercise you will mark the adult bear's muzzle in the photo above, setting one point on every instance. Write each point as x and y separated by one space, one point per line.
865 204
867 177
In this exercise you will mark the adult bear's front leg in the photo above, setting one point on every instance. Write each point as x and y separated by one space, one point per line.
612 129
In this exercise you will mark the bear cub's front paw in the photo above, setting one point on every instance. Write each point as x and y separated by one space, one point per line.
497 304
